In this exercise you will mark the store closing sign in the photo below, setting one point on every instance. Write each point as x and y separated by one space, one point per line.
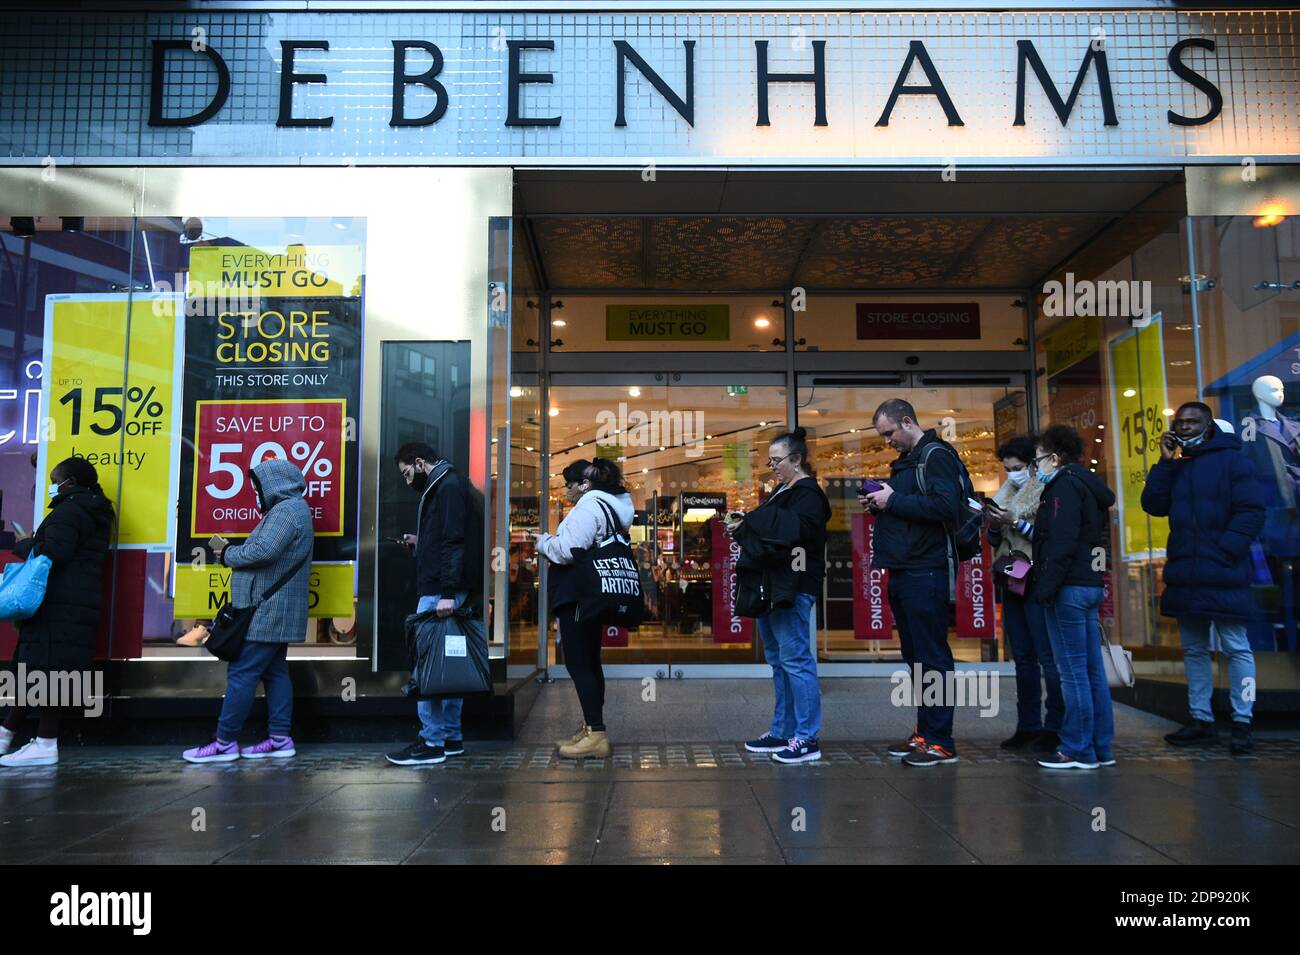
273 370
111 381
975 608
872 617
728 627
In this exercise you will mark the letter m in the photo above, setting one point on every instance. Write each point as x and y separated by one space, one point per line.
1026 53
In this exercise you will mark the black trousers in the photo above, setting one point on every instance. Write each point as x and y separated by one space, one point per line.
581 643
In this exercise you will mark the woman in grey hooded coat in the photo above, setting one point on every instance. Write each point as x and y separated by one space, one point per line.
281 541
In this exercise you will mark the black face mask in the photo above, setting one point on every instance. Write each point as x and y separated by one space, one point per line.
419 481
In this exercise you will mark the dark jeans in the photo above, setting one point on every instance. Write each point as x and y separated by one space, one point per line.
919 600
1024 626
581 643
264 662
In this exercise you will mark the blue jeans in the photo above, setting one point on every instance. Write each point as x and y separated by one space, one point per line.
919 600
1195 632
787 646
257 662
439 719
1025 629
1074 623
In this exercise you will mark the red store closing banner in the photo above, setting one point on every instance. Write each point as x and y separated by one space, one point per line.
975 608
727 627
872 618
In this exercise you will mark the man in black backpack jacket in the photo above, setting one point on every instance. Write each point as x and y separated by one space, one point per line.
913 542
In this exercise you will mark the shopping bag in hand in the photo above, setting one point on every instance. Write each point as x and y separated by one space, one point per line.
449 655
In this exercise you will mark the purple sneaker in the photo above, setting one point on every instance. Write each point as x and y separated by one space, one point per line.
213 752
269 748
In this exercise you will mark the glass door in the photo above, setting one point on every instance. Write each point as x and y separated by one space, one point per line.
975 413
691 447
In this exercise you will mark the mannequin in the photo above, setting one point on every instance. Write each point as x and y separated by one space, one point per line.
1275 452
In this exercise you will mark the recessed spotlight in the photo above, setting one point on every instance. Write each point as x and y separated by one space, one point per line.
558 323
634 392
1179 364
1129 392
516 392
762 323
553 412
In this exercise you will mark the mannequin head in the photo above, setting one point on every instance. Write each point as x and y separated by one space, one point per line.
1270 394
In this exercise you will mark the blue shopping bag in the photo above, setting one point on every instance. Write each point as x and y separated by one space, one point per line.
23 588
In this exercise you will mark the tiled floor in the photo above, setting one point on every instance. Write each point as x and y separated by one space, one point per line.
700 799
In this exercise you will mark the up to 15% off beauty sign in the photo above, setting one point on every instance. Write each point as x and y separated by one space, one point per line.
233 437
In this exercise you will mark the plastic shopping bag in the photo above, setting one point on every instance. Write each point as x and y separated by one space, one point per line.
449 655
23 588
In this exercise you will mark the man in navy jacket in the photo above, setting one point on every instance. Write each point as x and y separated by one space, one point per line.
1210 493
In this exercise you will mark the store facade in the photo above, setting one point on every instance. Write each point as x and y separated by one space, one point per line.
530 236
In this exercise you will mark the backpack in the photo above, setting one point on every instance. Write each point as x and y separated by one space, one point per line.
606 581
964 537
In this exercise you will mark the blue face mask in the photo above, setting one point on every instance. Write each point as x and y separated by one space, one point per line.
1048 478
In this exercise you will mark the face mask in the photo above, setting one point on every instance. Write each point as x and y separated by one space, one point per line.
1188 443
1019 478
1047 478
419 480
54 490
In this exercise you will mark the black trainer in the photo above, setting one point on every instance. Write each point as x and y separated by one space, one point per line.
1047 741
418 753
798 751
767 743
908 746
1241 741
1020 739
1193 733
454 747
931 754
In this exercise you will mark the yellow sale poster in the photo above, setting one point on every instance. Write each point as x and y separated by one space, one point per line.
1138 398
111 395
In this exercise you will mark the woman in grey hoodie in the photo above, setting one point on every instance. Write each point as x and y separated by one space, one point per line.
582 527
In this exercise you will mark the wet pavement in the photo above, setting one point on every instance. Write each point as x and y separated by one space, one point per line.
695 798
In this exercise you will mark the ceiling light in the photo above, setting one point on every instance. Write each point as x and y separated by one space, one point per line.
1178 364
516 392
633 392
762 323
1168 412
553 412
1129 392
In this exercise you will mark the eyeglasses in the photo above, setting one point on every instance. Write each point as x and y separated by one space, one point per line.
773 462
1043 456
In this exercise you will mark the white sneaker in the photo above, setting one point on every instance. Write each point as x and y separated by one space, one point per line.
39 752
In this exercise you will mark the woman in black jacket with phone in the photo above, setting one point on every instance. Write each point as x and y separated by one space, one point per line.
789 531
1071 537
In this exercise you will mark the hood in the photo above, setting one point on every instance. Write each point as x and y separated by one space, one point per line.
621 503
1216 440
279 481
1096 486
812 485
89 499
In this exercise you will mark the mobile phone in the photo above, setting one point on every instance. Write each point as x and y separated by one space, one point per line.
870 486
216 542
975 504
734 516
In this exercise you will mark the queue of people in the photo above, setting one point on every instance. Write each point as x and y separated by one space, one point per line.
1048 522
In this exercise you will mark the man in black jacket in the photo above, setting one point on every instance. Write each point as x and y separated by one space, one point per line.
448 556
913 541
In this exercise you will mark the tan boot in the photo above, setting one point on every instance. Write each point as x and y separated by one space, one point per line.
582 731
595 745
194 638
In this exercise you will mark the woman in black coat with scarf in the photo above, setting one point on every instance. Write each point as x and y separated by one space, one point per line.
61 635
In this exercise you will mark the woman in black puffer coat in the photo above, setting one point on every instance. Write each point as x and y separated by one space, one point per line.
75 537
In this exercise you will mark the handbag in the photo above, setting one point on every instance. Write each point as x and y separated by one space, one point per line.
1013 570
1118 664
606 580
448 655
230 626
22 590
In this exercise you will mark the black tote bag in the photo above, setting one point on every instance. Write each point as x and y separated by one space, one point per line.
605 581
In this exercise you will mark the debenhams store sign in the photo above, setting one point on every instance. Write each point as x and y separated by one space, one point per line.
480 87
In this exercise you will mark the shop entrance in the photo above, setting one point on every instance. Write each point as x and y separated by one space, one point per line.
738 304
